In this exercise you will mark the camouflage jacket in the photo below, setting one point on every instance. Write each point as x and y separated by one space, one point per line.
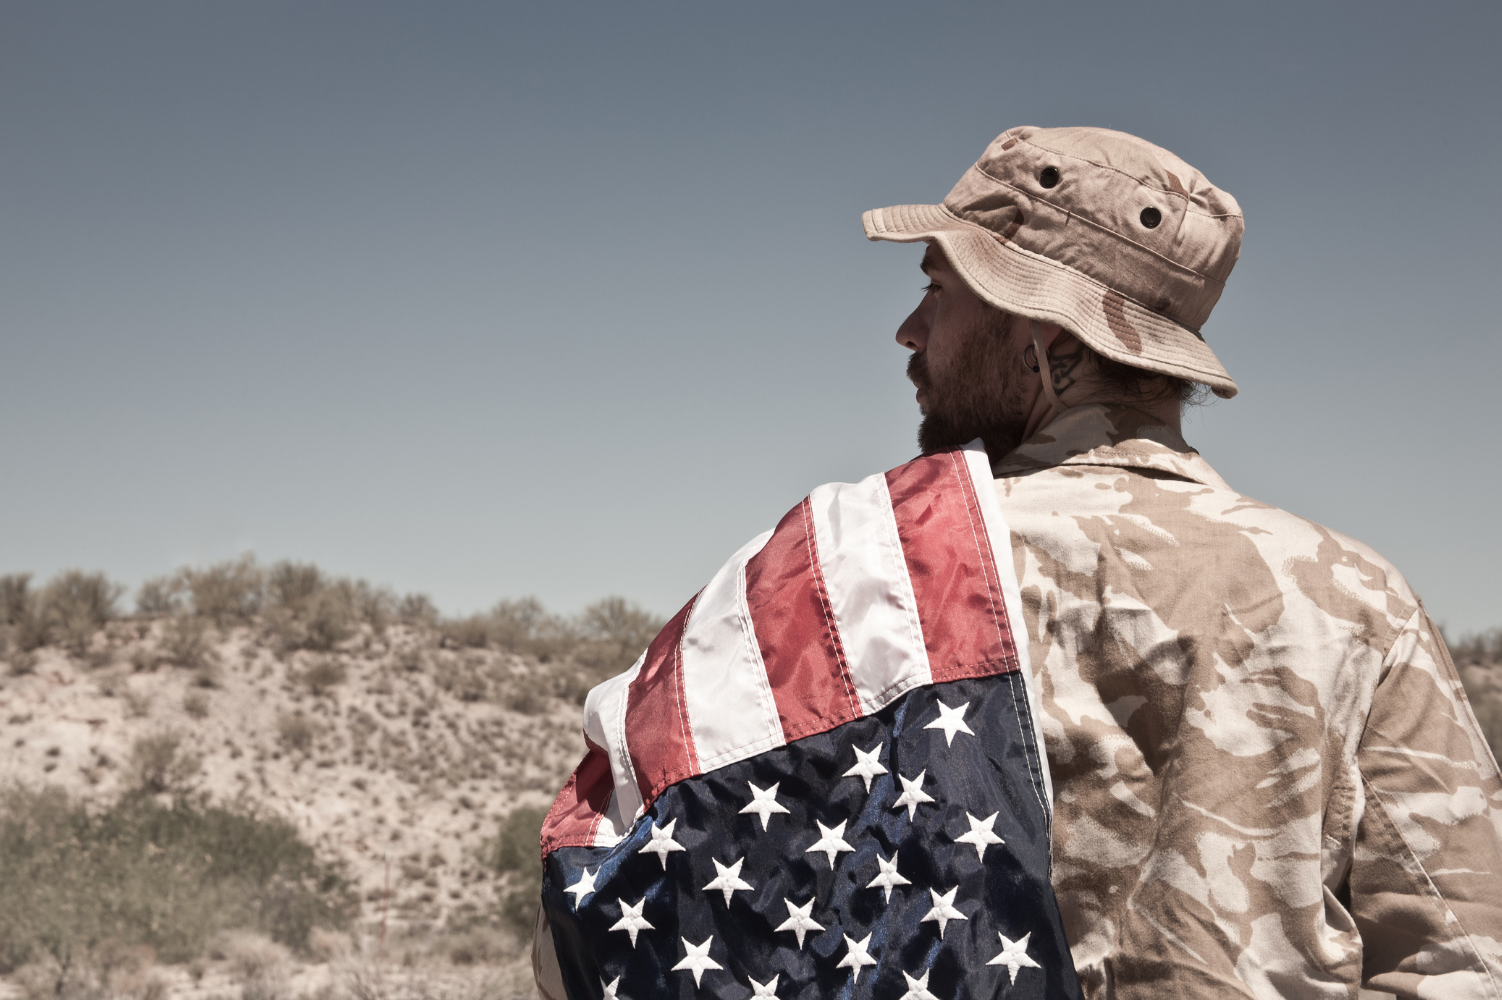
1268 781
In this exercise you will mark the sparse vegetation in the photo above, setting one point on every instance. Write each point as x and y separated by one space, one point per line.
296 732
368 720
196 704
323 674
161 764
76 882
1478 658
514 855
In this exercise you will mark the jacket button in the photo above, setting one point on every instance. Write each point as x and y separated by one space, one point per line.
1049 177
1151 217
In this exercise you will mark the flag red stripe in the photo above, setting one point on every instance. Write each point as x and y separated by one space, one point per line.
800 645
949 561
577 811
661 742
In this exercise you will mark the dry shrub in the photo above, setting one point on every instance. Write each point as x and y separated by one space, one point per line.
15 598
196 704
140 873
305 610
615 632
226 592
137 703
1479 662
159 763
160 595
324 674
296 732
187 642
514 855
473 632
327 945
417 609
464 678
69 610
259 963
528 693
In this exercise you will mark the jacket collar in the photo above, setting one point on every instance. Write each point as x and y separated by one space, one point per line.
1115 436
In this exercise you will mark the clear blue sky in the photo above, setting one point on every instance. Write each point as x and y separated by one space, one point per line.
490 299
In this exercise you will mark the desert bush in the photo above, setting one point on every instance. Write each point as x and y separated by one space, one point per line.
137 703
465 679
187 642
323 674
69 610
375 606
196 704
615 632
1489 715
296 732
16 598
528 693
141 873
417 609
161 595
1483 647
473 632
305 610
158 763
226 592
258 962
514 854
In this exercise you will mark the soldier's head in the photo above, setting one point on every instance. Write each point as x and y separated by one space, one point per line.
1085 254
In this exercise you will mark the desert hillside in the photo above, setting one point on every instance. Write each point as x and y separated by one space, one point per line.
414 755
261 783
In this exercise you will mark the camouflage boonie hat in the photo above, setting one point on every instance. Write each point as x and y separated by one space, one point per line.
1117 240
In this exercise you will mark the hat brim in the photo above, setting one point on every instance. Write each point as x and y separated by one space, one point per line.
1028 284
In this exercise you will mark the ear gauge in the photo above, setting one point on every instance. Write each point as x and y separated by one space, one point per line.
1030 359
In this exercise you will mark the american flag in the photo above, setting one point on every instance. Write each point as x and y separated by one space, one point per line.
824 777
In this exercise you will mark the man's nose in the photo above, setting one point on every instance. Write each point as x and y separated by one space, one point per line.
913 333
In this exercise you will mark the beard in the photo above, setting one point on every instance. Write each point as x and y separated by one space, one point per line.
978 395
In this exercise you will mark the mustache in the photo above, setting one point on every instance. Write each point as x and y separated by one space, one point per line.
917 370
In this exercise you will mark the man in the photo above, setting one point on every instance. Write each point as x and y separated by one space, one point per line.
1266 780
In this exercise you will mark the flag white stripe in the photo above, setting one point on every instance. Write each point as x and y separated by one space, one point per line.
731 712
984 483
605 727
870 592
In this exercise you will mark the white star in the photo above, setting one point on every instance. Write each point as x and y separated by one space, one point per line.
764 803
1014 954
866 766
831 841
767 989
697 960
913 794
943 910
662 843
856 957
632 922
888 877
583 887
951 720
799 921
610 988
917 989
981 834
728 879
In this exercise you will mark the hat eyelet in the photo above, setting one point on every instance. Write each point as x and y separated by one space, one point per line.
1049 177
1151 217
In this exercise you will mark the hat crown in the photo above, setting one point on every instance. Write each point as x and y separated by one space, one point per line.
1120 209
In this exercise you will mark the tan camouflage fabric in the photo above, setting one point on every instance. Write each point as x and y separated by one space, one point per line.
1268 781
